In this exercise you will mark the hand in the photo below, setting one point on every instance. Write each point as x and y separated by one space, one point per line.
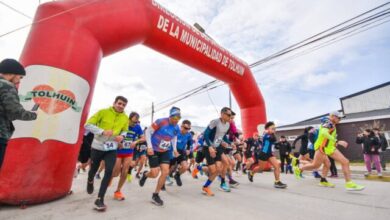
107 133
133 144
119 138
360 135
188 152
372 149
150 151
120 146
343 143
234 147
286 153
212 152
176 153
224 144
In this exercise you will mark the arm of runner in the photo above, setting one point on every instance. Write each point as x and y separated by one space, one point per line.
92 122
325 132
148 136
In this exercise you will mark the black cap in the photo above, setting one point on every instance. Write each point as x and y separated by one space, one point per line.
11 66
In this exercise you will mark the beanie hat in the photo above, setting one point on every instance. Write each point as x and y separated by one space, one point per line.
175 111
11 66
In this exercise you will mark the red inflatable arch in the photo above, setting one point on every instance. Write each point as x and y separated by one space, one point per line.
62 57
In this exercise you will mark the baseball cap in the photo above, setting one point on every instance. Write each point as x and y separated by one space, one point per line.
337 114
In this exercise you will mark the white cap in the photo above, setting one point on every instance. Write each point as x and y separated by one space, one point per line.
337 114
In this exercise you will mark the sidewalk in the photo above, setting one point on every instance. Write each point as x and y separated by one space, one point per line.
358 172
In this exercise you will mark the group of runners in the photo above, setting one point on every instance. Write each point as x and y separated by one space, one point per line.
116 143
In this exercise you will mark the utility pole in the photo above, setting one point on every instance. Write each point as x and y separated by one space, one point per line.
152 112
230 99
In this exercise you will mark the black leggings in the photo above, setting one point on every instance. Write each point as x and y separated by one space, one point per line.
109 158
284 158
333 168
3 147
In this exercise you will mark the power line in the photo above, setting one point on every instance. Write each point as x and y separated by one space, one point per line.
47 18
15 10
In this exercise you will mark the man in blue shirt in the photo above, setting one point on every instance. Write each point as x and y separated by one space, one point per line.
161 137
265 155
184 145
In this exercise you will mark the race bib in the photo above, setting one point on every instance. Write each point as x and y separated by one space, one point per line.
164 145
217 142
143 147
110 145
127 144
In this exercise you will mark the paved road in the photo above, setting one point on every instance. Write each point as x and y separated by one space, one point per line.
259 200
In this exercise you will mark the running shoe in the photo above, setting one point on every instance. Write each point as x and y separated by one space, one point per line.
119 196
129 178
316 174
224 187
294 161
89 187
207 191
297 172
137 176
250 176
280 185
99 205
98 176
143 179
178 180
169 181
201 172
327 184
351 186
157 200
233 183
194 173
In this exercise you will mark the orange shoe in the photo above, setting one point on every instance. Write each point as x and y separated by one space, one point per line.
195 173
119 196
207 191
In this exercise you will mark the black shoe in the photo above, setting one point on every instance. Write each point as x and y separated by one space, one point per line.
233 183
98 176
157 200
99 205
163 188
250 176
143 179
244 171
280 185
137 176
178 180
89 187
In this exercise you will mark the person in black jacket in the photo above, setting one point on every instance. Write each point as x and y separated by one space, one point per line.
284 148
370 150
383 146
304 154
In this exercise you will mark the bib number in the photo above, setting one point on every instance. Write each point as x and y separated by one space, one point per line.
164 145
110 145
217 142
127 144
143 147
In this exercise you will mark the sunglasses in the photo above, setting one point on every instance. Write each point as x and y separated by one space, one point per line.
187 128
176 117
230 115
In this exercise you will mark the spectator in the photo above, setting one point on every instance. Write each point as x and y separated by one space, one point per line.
383 146
370 150
284 148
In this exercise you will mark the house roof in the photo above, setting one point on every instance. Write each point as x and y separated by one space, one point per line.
366 90
353 117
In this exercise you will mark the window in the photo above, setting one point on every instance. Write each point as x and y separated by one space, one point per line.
387 136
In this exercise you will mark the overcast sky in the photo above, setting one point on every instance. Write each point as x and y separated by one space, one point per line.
294 90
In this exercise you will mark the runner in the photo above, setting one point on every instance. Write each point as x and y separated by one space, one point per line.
109 127
161 137
265 155
85 152
304 153
252 146
140 157
215 141
124 158
326 145
199 166
191 155
184 144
